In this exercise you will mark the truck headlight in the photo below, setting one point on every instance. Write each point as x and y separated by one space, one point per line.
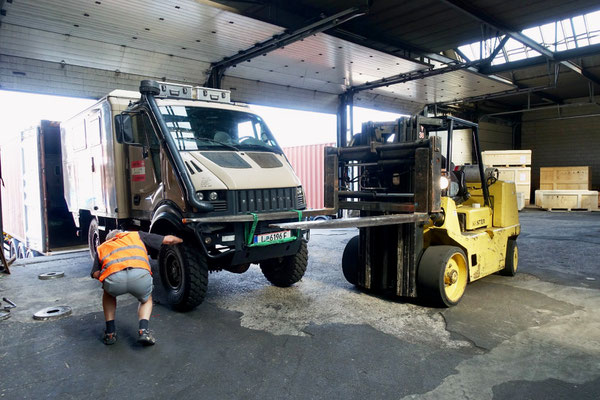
444 182
212 196
200 196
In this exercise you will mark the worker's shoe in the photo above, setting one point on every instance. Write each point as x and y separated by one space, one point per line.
146 337
109 338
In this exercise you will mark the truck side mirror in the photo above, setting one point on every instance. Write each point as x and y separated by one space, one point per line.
124 128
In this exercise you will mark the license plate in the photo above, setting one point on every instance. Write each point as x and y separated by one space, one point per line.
272 237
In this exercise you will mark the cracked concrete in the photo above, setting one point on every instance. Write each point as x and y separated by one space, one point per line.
534 336
561 347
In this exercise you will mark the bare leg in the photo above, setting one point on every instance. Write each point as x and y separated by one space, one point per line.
109 304
145 309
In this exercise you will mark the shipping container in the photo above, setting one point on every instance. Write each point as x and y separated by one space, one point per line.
34 212
308 163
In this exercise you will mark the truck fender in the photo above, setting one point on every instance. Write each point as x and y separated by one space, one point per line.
167 219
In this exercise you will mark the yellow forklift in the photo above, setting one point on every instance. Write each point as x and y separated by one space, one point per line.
427 227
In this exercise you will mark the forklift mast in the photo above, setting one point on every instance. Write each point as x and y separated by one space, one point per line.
393 169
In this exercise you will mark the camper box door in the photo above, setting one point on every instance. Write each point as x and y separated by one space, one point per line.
93 126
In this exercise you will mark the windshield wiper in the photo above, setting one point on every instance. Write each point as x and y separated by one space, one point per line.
209 140
221 143
261 147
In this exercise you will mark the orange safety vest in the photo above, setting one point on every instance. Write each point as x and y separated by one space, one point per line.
125 250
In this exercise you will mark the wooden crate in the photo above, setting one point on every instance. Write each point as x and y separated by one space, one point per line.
506 158
567 199
565 178
521 176
520 201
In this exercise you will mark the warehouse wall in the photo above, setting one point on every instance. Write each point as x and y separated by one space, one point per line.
495 136
570 137
492 136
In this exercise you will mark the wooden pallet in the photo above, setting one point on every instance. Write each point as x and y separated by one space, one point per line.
570 209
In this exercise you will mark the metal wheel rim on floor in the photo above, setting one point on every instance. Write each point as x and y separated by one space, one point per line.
54 312
51 275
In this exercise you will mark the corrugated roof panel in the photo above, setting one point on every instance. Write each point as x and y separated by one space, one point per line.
450 86
180 38
118 22
34 44
323 60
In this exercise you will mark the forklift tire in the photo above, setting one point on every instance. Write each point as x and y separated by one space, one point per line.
285 271
350 261
512 258
184 275
442 275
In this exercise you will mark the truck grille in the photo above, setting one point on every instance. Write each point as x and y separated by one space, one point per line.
219 205
301 201
265 200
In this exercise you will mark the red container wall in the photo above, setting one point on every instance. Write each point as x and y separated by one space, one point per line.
308 163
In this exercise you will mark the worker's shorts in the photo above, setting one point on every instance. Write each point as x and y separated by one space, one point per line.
135 281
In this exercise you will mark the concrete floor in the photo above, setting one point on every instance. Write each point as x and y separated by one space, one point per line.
534 336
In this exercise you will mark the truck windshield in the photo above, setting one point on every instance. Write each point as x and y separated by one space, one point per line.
200 128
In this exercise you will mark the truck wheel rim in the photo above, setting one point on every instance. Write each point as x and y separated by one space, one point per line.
455 277
96 240
173 272
515 258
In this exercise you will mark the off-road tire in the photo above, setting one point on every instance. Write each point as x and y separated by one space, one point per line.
285 271
14 245
21 251
94 238
189 291
512 258
350 260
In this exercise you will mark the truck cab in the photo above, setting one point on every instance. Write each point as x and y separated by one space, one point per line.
185 160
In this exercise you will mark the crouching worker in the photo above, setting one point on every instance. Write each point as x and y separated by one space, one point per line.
123 266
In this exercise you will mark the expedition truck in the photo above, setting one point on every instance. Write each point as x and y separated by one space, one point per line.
183 160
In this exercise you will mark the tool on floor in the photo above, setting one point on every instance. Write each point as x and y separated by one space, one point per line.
6 300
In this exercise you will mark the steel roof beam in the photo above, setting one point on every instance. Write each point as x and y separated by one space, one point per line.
506 93
518 36
284 39
497 50
410 76
541 60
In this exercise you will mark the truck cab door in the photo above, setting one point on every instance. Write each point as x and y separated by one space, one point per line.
144 154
